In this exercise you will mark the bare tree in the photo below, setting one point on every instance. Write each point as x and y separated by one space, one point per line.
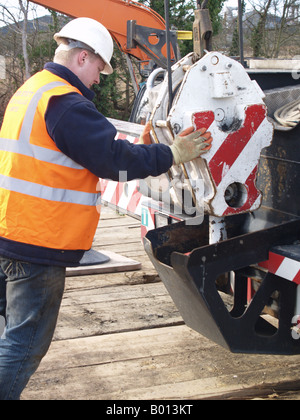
24 5
14 48
258 34
274 24
15 20
288 27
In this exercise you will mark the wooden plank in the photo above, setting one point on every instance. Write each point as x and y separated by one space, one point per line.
119 336
115 309
164 363
96 283
116 263
128 127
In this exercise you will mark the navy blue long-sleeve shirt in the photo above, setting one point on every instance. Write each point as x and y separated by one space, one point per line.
87 137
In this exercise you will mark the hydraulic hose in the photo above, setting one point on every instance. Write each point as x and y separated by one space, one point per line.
289 114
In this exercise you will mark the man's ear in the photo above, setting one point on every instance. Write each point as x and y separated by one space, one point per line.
82 57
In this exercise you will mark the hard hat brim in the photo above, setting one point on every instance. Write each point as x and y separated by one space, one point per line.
107 69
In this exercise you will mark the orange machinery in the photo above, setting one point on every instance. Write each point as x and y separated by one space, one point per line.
116 16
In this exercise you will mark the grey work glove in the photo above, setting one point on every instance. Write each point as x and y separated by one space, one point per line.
190 145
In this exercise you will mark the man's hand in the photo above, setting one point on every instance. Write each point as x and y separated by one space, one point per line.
190 145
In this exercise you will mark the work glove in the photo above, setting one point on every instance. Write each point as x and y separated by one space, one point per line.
190 145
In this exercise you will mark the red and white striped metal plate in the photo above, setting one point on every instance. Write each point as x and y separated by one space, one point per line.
282 266
124 196
216 93
233 159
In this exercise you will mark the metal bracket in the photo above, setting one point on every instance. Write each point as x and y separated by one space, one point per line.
192 279
151 41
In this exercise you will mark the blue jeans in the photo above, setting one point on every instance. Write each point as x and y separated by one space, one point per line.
30 298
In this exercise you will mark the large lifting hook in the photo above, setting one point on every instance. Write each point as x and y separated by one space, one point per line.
202 29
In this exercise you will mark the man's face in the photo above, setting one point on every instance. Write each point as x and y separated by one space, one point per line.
92 66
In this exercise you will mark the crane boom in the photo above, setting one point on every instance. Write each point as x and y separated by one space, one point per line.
113 14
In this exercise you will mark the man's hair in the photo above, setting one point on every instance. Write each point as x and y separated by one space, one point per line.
65 57
67 50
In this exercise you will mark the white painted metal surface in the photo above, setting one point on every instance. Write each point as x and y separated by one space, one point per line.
216 93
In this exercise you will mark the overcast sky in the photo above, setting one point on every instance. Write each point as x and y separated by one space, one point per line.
41 11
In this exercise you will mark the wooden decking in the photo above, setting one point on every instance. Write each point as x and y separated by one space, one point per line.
120 337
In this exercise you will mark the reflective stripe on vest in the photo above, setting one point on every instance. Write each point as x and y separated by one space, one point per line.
47 193
23 146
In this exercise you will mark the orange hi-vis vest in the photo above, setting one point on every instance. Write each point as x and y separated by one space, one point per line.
46 199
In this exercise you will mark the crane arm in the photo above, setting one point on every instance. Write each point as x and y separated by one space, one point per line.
113 14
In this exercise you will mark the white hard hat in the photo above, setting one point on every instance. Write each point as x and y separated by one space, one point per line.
91 33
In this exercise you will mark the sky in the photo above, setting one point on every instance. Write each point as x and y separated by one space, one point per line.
15 4
41 11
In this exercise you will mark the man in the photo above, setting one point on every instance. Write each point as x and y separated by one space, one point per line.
54 145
